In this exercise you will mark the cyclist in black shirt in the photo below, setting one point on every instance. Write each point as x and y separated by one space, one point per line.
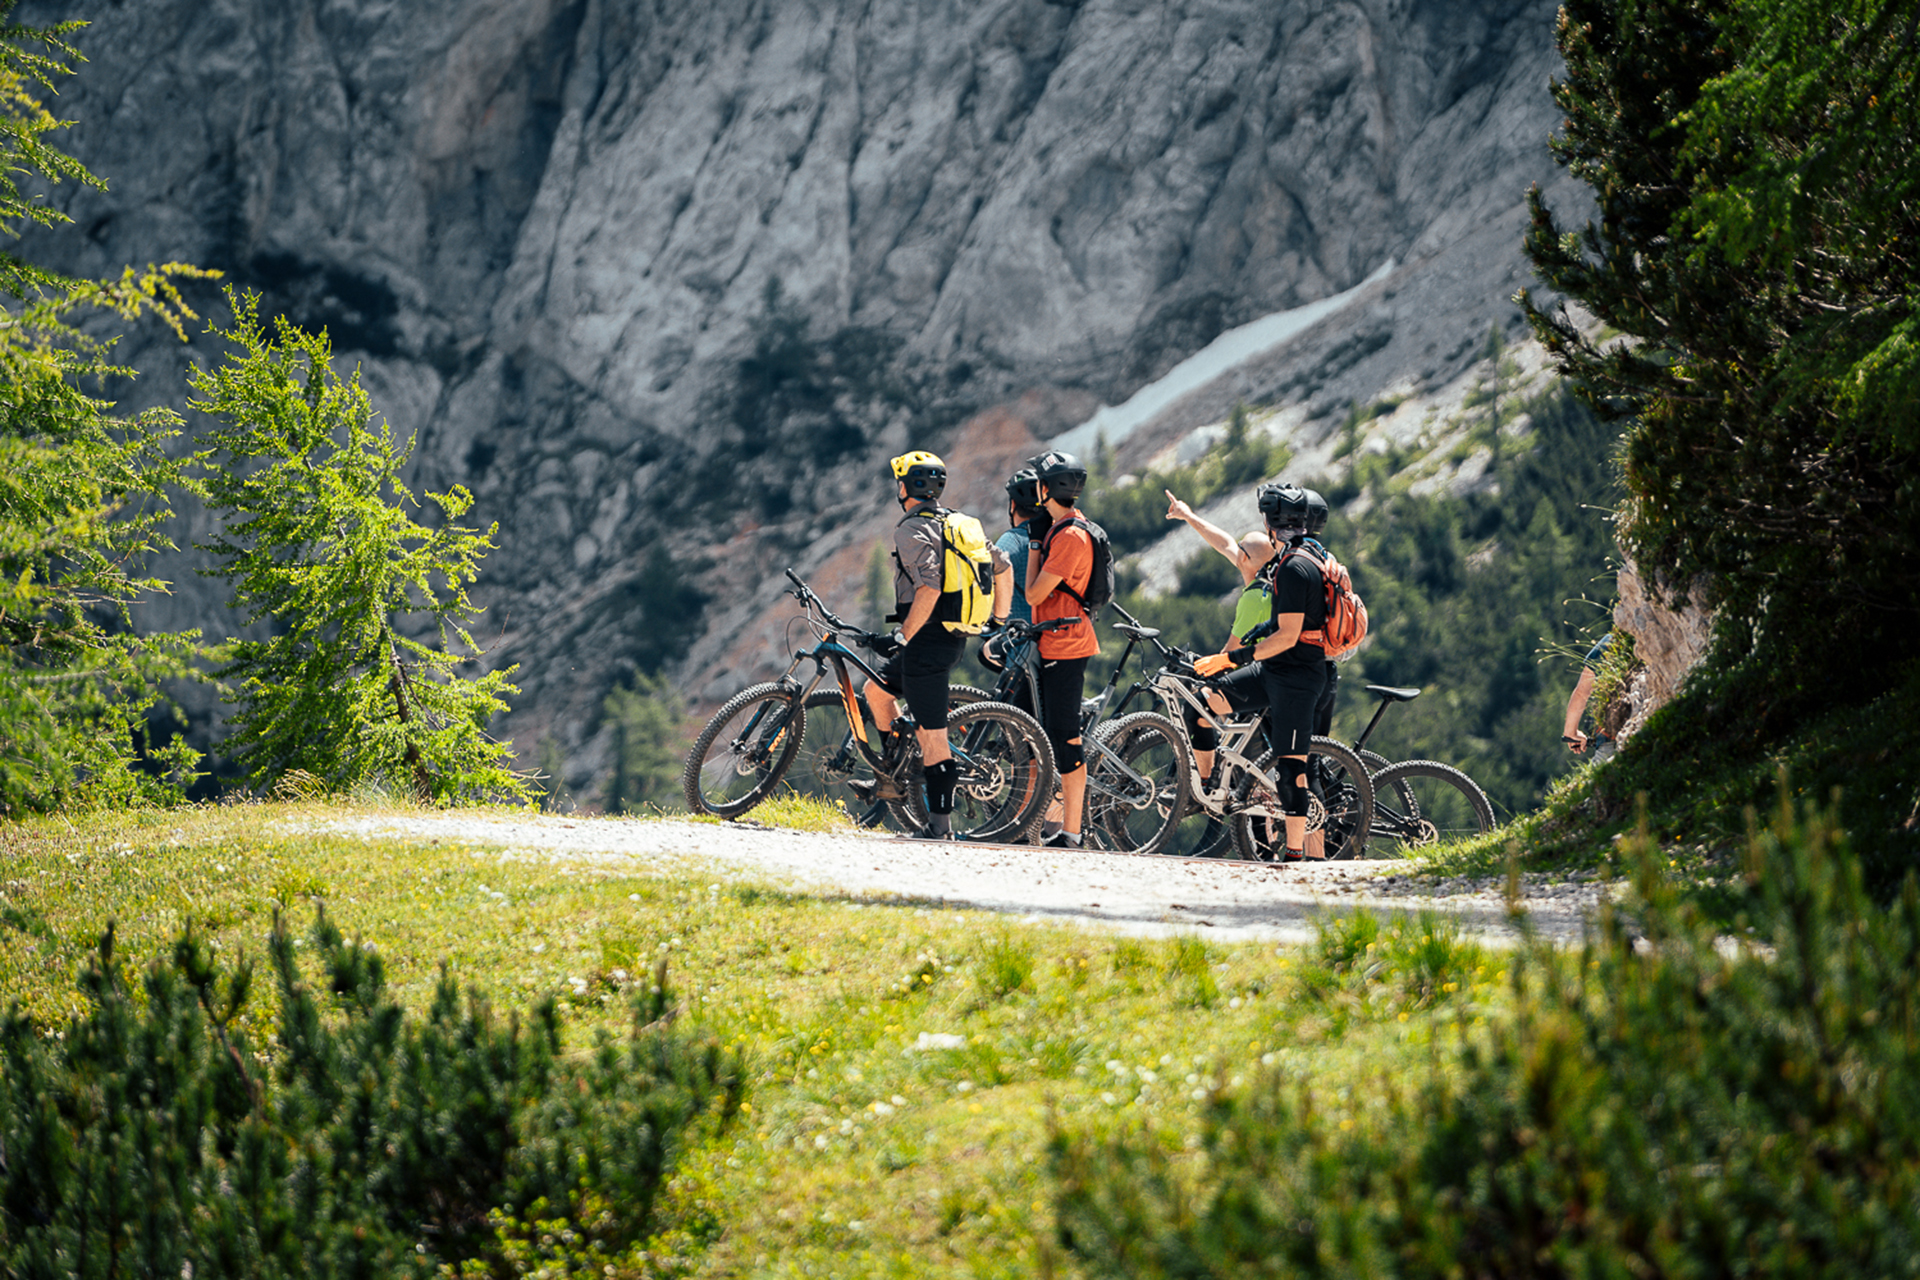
1293 673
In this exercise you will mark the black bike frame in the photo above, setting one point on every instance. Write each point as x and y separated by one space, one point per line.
1091 714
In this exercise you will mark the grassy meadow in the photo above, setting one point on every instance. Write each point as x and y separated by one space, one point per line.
908 1063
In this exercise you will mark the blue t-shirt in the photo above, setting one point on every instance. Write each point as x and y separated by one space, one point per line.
1014 543
1599 651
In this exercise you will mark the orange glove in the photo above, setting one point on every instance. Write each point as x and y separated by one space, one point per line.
1211 664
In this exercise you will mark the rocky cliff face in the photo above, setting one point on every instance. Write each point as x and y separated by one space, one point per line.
663 281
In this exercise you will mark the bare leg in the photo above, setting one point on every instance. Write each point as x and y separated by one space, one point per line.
933 746
881 703
1073 792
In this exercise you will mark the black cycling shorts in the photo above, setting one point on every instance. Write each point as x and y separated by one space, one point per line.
1243 690
1293 704
918 673
1061 685
1323 715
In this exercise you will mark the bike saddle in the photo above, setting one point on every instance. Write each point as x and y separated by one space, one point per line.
1393 695
1132 632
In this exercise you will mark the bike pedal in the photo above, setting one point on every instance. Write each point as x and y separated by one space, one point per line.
874 790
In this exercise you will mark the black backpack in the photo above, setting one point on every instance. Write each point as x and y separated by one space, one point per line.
1100 583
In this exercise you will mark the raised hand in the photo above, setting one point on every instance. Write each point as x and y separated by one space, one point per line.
1176 509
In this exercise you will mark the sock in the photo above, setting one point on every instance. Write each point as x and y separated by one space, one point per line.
940 824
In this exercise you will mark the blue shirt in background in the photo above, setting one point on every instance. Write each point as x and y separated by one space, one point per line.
1014 543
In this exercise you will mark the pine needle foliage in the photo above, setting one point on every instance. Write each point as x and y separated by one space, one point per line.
1756 171
84 494
1675 1101
321 547
154 1137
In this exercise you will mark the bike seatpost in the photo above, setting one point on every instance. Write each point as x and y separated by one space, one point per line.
1378 711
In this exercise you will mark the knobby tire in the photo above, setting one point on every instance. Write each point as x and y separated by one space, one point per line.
1153 746
740 756
1420 804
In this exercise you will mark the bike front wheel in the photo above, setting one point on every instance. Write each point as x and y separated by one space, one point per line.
1340 806
1137 780
1422 804
740 756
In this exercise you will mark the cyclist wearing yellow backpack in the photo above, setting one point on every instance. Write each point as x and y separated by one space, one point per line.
948 583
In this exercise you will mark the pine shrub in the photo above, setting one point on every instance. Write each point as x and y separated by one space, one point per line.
151 1137
1674 1101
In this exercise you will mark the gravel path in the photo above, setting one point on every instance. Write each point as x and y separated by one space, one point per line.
1231 900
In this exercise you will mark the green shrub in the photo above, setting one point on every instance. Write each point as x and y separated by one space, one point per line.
1673 1101
154 1137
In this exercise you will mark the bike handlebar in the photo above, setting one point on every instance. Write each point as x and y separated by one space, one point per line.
1020 629
805 595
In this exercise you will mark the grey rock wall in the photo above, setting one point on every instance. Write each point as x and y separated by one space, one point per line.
663 281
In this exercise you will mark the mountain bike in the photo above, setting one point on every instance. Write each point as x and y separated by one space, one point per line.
1242 806
740 757
1419 804
1138 766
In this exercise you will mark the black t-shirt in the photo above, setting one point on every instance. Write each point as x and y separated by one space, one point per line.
1297 588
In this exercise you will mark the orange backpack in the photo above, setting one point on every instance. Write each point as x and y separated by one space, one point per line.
1346 612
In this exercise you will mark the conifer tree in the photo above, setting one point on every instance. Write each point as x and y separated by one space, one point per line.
84 493
322 550
1757 172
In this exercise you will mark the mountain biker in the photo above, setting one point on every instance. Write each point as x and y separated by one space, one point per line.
1318 513
1292 672
1571 733
1000 651
925 650
1249 554
1023 504
1059 567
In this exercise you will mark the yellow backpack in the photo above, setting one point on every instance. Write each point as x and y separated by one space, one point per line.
966 572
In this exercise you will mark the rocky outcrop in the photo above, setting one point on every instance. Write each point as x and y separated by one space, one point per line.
1667 643
660 281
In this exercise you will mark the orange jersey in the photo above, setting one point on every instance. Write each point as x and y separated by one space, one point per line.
1070 555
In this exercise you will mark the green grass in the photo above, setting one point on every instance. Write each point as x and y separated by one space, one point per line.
906 1061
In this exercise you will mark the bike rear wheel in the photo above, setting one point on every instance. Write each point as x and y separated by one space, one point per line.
1422 804
1128 815
1006 775
740 756
1341 807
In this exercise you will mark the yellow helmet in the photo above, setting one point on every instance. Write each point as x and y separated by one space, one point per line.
924 474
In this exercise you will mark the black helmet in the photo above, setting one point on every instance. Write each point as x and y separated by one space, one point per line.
1317 513
925 475
1284 505
1023 487
1060 475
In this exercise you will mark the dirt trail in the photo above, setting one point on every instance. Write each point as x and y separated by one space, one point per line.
1153 896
